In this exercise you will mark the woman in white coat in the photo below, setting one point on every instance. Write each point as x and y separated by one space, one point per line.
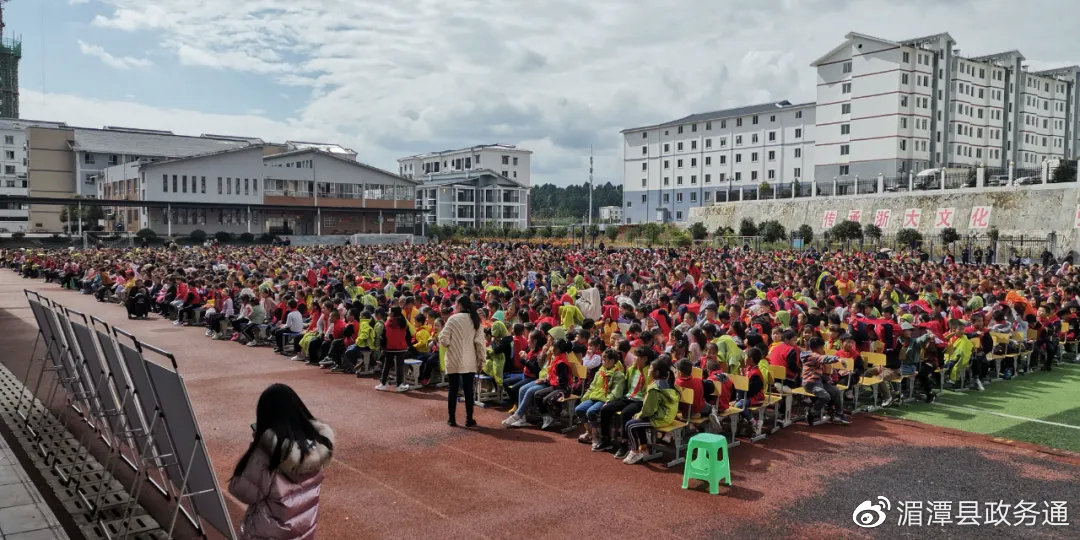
466 349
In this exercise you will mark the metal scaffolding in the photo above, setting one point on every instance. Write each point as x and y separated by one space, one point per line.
10 54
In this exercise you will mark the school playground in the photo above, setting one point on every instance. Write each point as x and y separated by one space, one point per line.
400 471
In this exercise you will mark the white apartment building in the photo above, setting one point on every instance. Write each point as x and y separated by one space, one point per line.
671 167
610 214
895 107
504 159
14 216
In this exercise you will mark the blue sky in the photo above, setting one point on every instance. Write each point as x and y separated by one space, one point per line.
390 79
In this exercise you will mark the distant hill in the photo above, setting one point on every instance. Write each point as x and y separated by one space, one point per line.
551 201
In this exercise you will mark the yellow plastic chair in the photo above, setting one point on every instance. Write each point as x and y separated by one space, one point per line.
676 428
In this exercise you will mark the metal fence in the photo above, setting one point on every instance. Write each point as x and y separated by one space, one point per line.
895 184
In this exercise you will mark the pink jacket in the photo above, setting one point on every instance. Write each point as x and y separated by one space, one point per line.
283 503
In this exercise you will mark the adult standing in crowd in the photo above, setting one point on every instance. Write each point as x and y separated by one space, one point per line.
465 352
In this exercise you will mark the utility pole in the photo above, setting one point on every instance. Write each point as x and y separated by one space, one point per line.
590 184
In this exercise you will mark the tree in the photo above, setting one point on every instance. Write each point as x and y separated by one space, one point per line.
949 235
247 238
632 233
872 231
747 227
772 231
611 232
764 189
147 234
651 233
698 231
434 232
909 237
993 234
846 230
806 232
594 231
223 236
723 231
1066 172
198 235
551 201
546 231
528 232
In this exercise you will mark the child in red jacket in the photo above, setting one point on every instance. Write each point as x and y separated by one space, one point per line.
685 379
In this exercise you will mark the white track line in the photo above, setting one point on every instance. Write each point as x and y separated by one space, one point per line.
1003 415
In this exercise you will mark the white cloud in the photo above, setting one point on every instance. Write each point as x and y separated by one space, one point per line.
77 2
118 62
392 79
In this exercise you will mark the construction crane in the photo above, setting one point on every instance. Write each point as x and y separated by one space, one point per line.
10 54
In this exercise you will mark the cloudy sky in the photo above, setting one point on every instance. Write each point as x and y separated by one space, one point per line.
395 78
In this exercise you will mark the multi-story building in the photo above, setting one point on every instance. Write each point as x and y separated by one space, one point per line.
503 159
895 107
486 185
610 214
671 167
66 162
14 216
303 188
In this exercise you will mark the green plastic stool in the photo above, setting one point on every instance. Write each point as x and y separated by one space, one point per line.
707 459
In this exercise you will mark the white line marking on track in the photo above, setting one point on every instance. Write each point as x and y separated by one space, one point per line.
1004 415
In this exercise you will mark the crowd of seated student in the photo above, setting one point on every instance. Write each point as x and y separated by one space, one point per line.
641 323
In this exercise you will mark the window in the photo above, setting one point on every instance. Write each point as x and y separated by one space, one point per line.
738 176
247 189
667 164
88 158
678 146
642 197
754 120
845 88
693 145
723 124
644 166
708 178
903 101
678 197
667 181
678 215
165 183
903 122
678 180
845 149
667 147
753 138
738 158
174 185
202 184
680 129
753 157
798 133
772 136
708 196
644 150
678 163
9 154
693 162
798 152
738 122
772 174
903 78
847 67
219 188
708 143
506 160
903 144
753 175
772 118
9 139
772 155
643 182
723 142
845 129
798 114
515 160
693 128
907 57
708 160
644 135
667 198
723 160
798 172
228 186
693 196
844 170
708 126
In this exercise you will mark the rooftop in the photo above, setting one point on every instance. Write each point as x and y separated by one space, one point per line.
148 143
456 177
495 146
761 108
347 158
325 147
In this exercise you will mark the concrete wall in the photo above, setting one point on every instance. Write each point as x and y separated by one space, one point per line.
50 170
1033 210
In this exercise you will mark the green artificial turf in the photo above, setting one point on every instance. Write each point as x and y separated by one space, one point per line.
1050 396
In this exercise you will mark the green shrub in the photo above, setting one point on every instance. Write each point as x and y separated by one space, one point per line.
224 236
909 237
698 231
747 227
612 232
247 237
806 232
846 230
197 236
146 234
